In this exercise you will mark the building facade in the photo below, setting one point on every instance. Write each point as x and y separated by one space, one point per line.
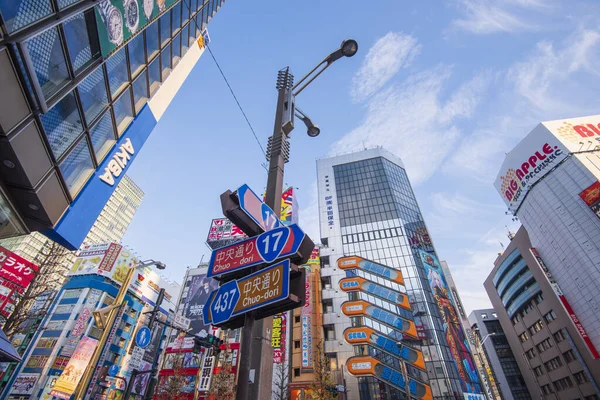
367 208
62 349
84 83
497 357
550 181
552 351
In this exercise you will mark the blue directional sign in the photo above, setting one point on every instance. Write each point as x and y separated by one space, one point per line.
253 206
257 290
113 370
278 243
224 302
142 337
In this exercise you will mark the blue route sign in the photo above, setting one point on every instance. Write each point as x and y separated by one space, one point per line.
253 206
113 370
142 337
283 242
236 297
224 302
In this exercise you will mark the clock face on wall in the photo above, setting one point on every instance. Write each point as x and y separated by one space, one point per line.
132 14
115 26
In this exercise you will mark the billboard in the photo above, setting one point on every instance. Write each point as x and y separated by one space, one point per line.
69 379
223 232
119 20
278 337
198 292
289 207
455 335
591 197
540 151
24 384
16 269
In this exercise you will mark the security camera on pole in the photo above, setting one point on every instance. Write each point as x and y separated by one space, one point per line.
229 306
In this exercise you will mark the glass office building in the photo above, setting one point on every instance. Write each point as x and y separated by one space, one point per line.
367 208
83 85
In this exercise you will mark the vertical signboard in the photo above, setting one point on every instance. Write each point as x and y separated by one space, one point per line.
306 312
199 289
278 337
69 379
16 269
455 335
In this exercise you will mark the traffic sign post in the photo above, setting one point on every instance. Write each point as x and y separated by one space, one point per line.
282 242
142 337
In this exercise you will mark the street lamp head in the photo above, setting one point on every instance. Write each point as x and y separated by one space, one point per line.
349 47
160 265
313 131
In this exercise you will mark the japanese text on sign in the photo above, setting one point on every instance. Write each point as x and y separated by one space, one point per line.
329 204
16 269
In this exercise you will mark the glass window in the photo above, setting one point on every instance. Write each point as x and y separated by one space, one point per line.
154 75
92 92
152 40
185 40
123 112
186 10
103 136
20 13
77 167
165 28
137 58
140 92
176 18
78 41
48 61
165 59
116 67
62 124
176 45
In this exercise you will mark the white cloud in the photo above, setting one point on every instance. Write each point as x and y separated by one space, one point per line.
486 17
412 120
309 215
546 78
384 59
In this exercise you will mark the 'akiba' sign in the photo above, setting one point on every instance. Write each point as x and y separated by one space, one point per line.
116 166
542 150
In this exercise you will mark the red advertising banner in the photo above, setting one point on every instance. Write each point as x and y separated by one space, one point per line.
580 329
16 269
591 197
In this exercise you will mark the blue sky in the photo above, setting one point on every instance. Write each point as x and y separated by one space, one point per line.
448 85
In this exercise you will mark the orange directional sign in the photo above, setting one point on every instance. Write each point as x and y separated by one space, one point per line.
355 262
355 283
369 366
364 335
361 307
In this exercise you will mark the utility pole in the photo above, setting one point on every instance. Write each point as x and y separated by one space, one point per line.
256 351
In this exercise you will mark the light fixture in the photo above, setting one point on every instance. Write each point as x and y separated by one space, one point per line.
311 129
349 47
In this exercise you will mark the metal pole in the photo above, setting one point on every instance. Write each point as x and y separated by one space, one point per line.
263 353
89 370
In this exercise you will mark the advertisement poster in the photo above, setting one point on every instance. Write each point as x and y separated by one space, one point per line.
68 380
289 207
591 197
50 382
278 337
222 233
24 383
16 269
119 20
455 336
199 290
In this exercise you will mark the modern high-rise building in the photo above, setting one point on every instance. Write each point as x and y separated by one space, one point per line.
495 355
83 85
367 208
554 353
115 217
551 182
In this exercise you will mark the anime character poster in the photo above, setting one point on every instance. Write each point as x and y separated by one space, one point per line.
200 288
455 336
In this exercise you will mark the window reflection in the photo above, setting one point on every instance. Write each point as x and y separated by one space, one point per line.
92 92
176 18
20 13
48 61
176 45
77 167
152 40
185 41
165 28
123 112
140 92
154 75
62 124
117 71
165 59
137 58
10 224
103 136
78 41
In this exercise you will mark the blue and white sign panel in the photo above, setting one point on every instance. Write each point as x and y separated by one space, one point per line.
142 337
253 206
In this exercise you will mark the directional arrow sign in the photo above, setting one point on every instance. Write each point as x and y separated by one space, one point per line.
260 213
257 290
282 242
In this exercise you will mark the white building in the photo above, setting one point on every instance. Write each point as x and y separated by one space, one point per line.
550 181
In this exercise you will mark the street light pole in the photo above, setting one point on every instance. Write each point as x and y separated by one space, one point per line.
112 316
261 358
